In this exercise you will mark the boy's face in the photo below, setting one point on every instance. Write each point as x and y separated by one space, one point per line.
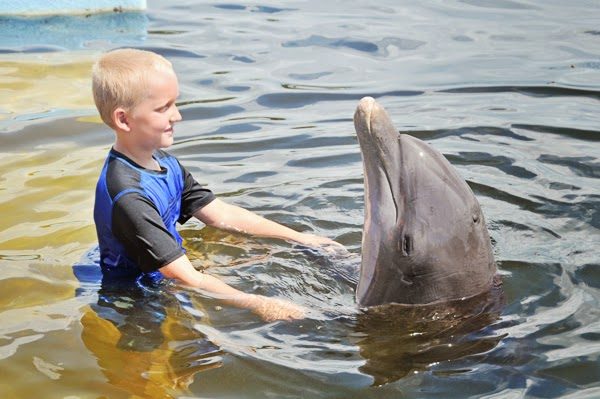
151 121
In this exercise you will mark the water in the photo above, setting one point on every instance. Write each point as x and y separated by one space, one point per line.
507 90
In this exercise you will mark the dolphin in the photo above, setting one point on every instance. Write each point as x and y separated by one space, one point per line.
425 239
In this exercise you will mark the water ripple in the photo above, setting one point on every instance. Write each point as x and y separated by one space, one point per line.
580 134
534 91
300 99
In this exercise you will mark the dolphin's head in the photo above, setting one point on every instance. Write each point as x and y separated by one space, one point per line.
424 238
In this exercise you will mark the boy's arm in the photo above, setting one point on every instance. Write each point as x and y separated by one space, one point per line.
140 229
268 308
234 218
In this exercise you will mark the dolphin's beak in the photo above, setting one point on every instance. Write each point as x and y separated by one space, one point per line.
380 149
363 113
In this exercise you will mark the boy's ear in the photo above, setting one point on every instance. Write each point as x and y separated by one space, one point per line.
120 119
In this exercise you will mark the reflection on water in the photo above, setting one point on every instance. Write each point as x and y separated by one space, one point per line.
140 343
506 90
142 334
397 340
31 84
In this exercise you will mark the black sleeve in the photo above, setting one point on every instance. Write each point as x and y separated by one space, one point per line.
194 196
137 224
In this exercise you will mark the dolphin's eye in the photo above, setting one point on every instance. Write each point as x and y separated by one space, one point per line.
475 217
406 245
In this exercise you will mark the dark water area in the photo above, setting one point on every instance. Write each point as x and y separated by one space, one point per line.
508 91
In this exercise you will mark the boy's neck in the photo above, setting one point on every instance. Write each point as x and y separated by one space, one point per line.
141 157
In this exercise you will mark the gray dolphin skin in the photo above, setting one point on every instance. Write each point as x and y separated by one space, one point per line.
424 239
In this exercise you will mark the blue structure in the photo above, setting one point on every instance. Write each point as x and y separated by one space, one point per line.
42 25
71 32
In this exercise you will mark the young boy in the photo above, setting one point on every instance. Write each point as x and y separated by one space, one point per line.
143 192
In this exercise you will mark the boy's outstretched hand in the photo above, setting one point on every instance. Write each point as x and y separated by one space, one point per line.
271 309
327 244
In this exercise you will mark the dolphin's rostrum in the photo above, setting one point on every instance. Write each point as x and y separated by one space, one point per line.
425 239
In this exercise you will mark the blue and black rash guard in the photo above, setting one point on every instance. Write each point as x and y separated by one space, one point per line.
136 212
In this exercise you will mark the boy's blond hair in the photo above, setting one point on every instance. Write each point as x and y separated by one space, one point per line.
120 79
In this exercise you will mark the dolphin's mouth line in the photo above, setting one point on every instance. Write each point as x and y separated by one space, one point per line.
389 183
382 163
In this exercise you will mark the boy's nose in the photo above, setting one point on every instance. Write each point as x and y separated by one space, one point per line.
176 116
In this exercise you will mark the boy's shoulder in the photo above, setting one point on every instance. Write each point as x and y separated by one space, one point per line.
118 175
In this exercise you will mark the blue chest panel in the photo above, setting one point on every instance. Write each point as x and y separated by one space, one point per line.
165 191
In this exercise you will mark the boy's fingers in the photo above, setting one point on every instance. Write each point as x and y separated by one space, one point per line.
334 248
326 244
